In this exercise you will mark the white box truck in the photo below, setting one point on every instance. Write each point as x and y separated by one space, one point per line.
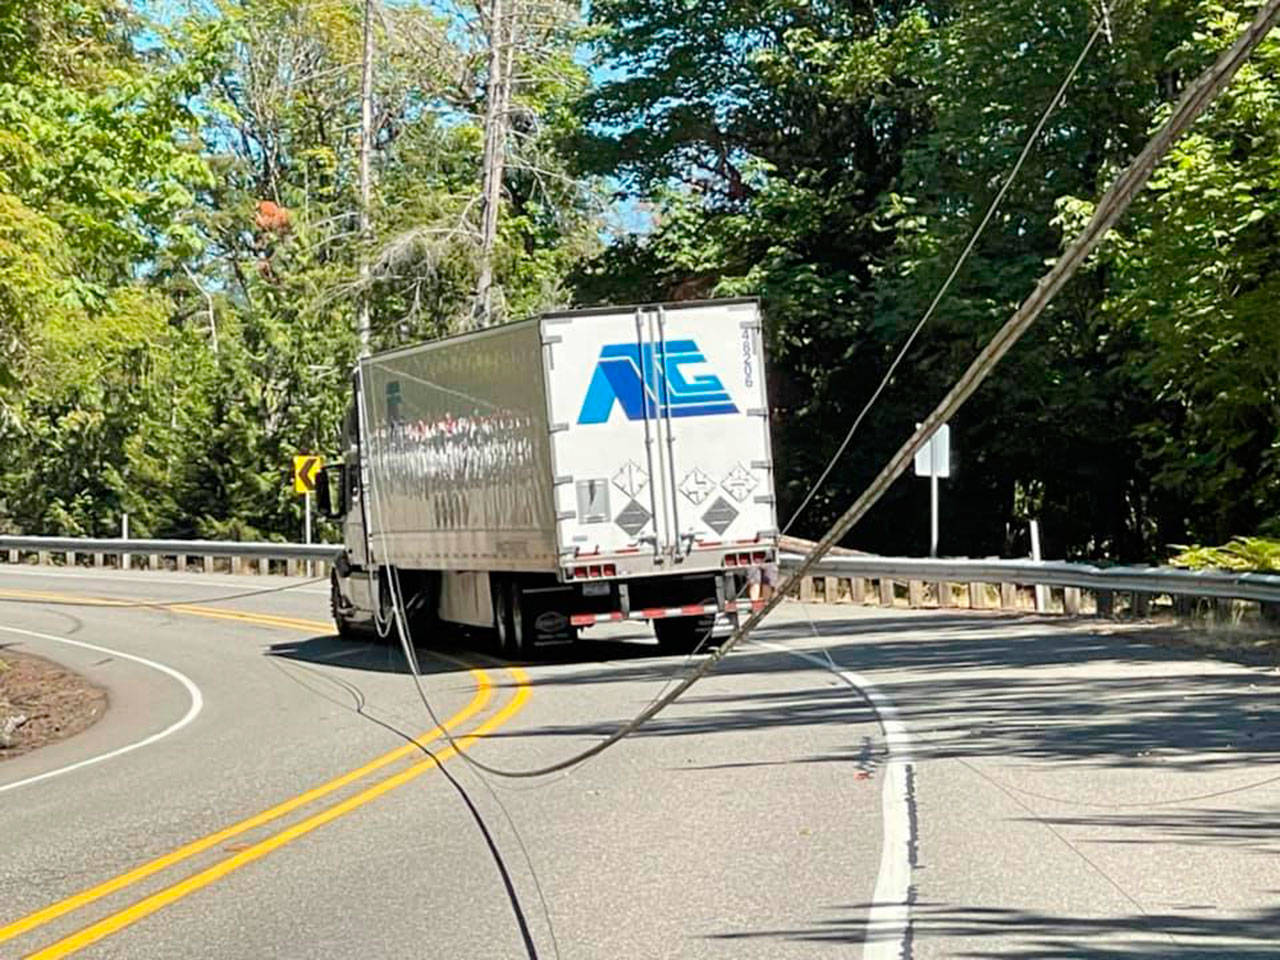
542 476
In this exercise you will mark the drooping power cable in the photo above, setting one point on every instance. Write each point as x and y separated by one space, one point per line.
946 285
1194 100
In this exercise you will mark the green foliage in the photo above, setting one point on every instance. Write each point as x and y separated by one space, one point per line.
1195 275
835 161
1241 554
180 252
179 248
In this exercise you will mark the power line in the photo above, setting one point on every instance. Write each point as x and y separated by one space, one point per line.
1194 101
946 285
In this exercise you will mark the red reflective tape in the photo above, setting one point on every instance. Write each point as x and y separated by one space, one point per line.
616 615
694 608
653 613
582 619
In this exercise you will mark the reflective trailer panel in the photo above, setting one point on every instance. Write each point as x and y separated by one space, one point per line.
660 436
459 468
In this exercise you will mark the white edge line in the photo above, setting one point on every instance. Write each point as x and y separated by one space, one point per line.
889 916
197 704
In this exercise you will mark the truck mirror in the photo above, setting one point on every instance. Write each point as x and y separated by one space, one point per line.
325 499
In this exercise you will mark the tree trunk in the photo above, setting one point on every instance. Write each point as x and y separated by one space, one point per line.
363 323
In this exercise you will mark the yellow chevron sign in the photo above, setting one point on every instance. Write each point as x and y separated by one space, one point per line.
306 468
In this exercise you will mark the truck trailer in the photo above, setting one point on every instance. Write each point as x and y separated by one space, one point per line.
576 468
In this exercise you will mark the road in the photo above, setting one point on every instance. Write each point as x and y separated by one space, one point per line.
1042 791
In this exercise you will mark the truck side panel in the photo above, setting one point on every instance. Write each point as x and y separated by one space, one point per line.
457 442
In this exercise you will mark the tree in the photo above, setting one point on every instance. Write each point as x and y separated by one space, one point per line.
835 161
1194 276
97 178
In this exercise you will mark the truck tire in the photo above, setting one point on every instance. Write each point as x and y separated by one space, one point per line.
513 638
346 629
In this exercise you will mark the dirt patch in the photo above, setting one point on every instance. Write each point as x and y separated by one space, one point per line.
41 702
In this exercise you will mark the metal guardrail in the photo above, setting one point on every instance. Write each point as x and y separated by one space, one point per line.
1171 581
174 548
1152 581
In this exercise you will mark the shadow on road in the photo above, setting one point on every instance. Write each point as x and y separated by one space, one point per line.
448 651
1043 936
1014 689
976 687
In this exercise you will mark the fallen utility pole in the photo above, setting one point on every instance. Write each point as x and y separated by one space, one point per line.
1193 102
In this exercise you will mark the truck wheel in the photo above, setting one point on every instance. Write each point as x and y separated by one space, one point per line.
346 629
680 634
513 640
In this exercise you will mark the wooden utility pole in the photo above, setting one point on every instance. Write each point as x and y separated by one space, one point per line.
497 94
363 324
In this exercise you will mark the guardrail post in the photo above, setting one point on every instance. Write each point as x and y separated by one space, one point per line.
1071 601
886 592
291 570
1106 603
236 564
43 558
262 566
1141 605
915 594
322 569
858 590
977 596
98 559
1008 596
943 592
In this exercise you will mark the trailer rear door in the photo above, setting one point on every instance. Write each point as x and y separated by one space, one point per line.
660 434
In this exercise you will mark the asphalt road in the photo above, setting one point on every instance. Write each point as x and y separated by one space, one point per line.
864 783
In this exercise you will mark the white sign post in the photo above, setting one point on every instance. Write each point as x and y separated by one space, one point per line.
307 530
933 460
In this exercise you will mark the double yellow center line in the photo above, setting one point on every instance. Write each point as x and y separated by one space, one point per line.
156 901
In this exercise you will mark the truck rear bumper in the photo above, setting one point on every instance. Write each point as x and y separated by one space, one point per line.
658 613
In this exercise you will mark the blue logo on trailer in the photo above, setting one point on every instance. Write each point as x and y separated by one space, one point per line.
647 382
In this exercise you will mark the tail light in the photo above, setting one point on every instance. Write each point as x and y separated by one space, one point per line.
593 572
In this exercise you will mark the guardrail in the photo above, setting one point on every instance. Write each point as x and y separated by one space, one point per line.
241 556
1072 588
936 582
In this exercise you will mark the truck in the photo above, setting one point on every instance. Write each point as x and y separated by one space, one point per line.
535 478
